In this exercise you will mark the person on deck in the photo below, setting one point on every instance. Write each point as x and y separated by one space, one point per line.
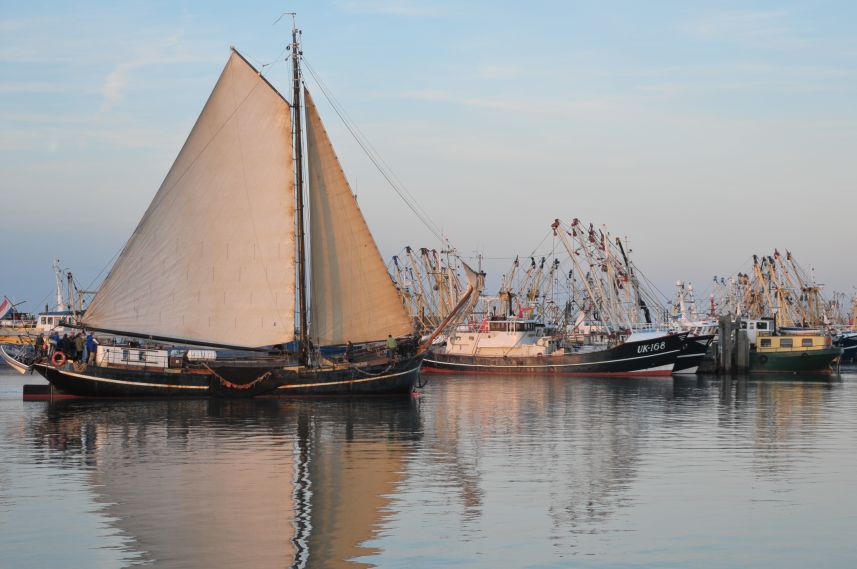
79 347
391 346
54 342
65 345
91 348
349 351
40 345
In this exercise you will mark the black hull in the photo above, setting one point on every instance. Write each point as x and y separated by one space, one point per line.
849 347
692 354
653 357
396 378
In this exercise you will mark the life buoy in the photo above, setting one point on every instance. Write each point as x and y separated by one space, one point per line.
763 359
58 359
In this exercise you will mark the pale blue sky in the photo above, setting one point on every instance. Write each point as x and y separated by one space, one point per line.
703 131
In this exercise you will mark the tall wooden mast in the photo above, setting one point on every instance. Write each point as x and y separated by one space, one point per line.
299 194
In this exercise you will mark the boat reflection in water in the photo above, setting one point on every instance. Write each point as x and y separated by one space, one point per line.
230 483
488 472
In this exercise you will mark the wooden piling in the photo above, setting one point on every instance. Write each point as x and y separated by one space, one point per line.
742 351
725 344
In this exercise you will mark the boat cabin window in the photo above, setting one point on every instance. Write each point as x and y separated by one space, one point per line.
806 342
743 325
765 343
753 325
762 326
786 343
506 326
43 320
125 355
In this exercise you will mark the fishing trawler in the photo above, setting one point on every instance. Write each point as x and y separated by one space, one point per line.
773 350
701 331
19 334
15 326
523 331
785 316
847 340
204 298
501 345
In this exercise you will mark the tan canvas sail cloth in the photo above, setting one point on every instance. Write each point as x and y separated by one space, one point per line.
353 297
213 258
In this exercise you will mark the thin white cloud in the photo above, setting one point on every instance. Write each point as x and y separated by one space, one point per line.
167 51
753 28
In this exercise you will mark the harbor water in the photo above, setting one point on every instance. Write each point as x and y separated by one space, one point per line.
478 472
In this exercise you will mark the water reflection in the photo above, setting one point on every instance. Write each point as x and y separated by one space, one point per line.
787 413
225 483
479 472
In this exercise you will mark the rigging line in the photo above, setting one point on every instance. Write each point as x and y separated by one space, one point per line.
649 282
384 168
108 264
276 60
375 158
365 139
535 251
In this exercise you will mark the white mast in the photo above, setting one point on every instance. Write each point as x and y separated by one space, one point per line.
60 301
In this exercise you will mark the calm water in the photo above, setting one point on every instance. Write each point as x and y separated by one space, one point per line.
476 472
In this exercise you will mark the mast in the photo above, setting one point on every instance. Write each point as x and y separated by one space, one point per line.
71 303
299 194
60 302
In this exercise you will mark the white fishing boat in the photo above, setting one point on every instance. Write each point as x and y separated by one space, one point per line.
18 357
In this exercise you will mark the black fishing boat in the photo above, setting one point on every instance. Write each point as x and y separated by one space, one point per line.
465 352
692 353
848 342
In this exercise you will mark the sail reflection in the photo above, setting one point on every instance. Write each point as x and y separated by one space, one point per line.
229 483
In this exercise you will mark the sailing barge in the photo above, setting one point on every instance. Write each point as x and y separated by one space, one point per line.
219 261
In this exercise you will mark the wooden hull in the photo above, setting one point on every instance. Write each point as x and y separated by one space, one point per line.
810 361
652 357
9 359
398 378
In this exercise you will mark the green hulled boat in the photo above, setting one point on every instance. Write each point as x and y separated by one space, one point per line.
798 353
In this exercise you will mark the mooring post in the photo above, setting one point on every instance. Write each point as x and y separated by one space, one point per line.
725 341
742 351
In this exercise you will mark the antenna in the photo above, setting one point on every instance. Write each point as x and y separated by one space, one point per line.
280 17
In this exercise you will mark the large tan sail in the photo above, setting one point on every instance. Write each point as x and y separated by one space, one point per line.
213 258
353 297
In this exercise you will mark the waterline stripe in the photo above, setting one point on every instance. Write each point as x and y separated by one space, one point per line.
302 385
553 365
140 383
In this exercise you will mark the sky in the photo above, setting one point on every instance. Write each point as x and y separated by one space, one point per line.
705 132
